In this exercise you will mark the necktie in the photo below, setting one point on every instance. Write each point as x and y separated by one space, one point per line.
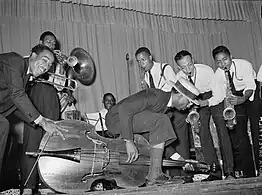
29 83
190 80
230 80
151 80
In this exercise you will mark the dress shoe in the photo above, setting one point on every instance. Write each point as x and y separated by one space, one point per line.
229 176
188 179
161 179
211 178
36 192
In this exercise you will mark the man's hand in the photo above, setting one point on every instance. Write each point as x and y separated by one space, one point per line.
203 103
132 152
236 100
144 85
51 127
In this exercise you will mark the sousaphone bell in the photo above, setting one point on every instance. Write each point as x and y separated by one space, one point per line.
82 66
78 66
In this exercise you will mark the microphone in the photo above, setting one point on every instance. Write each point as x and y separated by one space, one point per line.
127 57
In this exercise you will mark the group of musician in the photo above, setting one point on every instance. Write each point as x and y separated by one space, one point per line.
231 89
160 111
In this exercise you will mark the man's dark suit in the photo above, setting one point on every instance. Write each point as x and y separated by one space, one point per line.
13 99
142 112
45 99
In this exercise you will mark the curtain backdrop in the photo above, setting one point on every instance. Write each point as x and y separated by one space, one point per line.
108 33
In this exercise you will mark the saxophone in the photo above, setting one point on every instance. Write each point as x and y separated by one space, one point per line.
229 112
193 119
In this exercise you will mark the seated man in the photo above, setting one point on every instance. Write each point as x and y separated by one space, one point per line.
98 118
144 112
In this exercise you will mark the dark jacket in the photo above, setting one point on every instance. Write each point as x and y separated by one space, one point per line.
119 117
13 80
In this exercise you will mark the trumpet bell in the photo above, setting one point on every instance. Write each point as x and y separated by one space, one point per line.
84 68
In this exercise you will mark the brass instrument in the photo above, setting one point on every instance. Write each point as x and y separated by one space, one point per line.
193 119
53 76
229 112
63 59
79 66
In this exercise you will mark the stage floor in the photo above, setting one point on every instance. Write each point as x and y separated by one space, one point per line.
233 187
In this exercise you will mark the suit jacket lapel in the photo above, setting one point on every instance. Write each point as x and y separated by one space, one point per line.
26 76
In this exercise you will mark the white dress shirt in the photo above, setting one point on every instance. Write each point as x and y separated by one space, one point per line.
94 119
259 74
204 80
243 77
161 82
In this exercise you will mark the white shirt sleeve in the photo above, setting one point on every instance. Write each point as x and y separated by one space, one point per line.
259 74
249 81
38 119
217 91
169 73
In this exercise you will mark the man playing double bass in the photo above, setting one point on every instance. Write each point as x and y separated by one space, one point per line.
14 77
144 112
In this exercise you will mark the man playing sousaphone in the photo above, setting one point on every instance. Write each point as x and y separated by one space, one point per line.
144 112
211 103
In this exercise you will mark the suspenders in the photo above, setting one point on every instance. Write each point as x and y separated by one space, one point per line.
162 75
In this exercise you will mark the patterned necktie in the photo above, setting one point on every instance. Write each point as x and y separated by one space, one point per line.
190 80
231 83
151 80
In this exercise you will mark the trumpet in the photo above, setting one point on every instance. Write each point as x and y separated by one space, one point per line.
71 83
63 59
193 119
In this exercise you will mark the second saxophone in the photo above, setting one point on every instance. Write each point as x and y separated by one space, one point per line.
229 112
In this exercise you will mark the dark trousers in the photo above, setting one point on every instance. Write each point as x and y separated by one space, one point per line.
182 144
223 138
242 150
253 112
4 130
206 140
45 99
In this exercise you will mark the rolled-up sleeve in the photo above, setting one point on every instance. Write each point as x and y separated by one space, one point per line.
217 91
248 79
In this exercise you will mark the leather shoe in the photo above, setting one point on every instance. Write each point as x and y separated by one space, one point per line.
36 192
188 179
229 176
161 180
211 178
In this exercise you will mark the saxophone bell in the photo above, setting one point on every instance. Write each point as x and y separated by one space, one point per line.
229 115
229 112
193 119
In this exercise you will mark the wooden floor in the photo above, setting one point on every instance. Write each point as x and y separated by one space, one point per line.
232 187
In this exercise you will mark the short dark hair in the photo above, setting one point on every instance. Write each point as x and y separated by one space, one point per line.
46 33
39 48
142 49
220 49
108 94
182 54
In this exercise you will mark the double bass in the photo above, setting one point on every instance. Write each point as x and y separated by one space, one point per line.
85 157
